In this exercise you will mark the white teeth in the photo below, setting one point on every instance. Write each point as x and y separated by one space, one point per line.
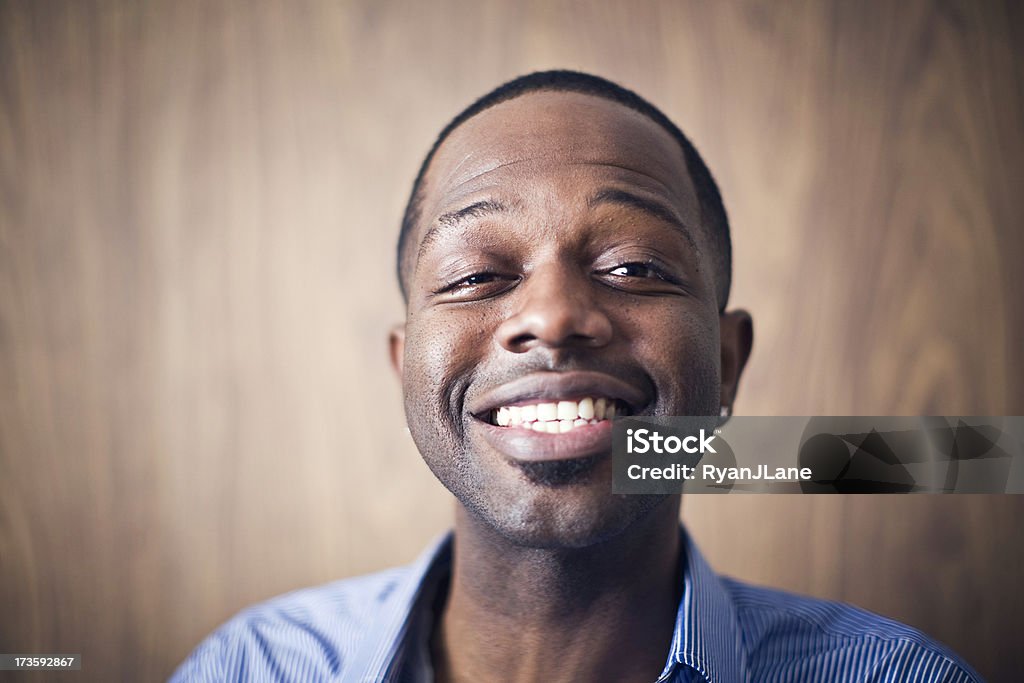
557 417
587 408
547 411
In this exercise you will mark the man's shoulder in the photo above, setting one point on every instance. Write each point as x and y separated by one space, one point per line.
306 634
802 634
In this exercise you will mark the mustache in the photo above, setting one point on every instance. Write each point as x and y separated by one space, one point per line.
565 361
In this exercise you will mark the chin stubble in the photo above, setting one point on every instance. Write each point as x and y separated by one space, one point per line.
559 472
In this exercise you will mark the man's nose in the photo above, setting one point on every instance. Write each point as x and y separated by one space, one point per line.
555 309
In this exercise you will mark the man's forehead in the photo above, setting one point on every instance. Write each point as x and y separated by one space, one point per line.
570 129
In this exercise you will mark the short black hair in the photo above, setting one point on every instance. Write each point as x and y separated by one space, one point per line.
712 211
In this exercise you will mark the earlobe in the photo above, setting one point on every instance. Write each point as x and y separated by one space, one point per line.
396 348
737 334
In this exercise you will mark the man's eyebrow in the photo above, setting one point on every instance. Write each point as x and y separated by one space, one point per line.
652 207
452 219
474 210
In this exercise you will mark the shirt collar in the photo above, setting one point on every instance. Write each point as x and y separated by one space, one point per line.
707 635
385 642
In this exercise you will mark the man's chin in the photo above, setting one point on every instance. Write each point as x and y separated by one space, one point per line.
557 515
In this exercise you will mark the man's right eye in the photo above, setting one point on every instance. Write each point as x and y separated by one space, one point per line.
476 279
478 285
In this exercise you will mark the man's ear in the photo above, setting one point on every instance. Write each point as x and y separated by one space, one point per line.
737 332
396 347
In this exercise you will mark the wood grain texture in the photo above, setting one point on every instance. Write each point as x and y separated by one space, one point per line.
198 204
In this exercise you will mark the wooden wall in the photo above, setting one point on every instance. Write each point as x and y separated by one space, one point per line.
198 204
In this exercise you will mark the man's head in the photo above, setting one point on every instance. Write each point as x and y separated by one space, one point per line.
713 215
564 249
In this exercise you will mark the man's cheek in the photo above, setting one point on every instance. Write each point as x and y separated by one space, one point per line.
426 354
437 368
684 367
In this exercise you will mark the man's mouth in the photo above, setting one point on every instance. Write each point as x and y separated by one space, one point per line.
558 417
549 416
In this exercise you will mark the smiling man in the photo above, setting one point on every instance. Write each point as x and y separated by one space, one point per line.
565 259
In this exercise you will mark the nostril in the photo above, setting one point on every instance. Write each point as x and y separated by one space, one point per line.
521 340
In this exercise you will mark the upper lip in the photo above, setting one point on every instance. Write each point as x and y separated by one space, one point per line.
555 386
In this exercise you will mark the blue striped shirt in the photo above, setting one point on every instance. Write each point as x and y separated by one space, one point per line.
376 628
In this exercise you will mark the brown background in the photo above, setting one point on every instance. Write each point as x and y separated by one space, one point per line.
198 204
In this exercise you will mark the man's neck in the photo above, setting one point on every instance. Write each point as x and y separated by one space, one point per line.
601 613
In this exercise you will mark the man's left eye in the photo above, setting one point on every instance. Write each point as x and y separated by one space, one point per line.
637 269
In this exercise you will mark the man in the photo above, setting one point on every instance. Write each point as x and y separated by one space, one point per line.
565 258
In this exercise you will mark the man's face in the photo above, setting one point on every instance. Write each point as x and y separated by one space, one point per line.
559 259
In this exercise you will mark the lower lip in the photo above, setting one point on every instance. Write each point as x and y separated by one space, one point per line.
527 445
